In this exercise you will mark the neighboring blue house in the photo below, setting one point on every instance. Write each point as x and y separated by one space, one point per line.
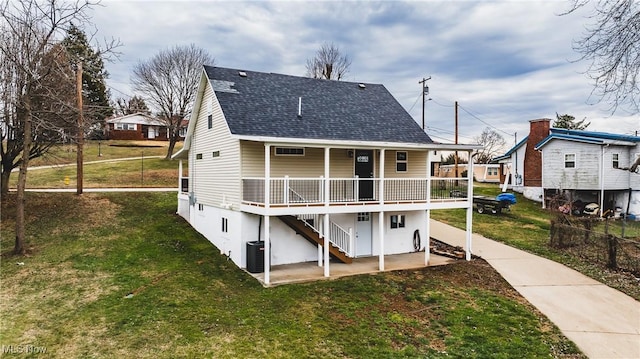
592 167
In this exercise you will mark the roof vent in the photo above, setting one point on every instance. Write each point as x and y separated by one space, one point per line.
242 74
361 85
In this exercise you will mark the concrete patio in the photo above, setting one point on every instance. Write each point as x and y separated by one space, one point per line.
310 271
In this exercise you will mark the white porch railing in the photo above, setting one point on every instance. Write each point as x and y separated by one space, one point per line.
310 191
338 236
341 238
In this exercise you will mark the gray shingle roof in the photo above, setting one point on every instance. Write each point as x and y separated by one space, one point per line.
266 104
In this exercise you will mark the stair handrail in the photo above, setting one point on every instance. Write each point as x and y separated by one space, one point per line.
339 237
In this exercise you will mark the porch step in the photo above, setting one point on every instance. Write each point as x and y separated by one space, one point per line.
312 236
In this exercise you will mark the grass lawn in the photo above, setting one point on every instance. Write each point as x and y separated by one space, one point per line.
140 172
526 227
120 275
111 149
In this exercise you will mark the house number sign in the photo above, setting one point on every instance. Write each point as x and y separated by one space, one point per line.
363 159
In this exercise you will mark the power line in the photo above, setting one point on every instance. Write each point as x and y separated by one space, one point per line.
414 103
485 122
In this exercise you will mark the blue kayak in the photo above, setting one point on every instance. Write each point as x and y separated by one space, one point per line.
506 197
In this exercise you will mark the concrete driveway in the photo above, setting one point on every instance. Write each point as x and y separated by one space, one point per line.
601 321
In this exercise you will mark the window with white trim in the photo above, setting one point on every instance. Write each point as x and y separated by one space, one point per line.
615 160
289 151
125 126
397 221
492 171
210 121
198 156
401 161
215 154
570 160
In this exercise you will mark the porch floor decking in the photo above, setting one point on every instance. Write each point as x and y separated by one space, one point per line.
310 271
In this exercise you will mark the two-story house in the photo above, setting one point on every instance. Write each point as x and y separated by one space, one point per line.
294 169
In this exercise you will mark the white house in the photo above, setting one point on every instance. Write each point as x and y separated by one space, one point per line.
310 169
592 167
482 172
521 166
136 126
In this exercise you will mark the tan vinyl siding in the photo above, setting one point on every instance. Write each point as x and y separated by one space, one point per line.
252 159
215 178
416 165
311 165
342 166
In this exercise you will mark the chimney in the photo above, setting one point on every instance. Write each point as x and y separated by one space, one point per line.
538 130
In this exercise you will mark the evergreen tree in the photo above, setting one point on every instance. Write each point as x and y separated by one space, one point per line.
94 88
569 122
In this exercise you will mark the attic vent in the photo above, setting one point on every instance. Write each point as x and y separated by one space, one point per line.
361 86
242 74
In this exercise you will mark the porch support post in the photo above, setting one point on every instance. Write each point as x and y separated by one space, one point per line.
381 177
320 256
427 234
180 176
469 228
267 200
325 227
381 198
427 239
381 236
326 244
267 251
327 196
267 176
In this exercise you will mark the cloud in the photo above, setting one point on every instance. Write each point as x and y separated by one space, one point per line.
505 62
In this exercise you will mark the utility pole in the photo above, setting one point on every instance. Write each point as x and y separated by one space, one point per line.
456 138
425 91
80 139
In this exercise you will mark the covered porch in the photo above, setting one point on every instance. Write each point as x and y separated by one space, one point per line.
310 271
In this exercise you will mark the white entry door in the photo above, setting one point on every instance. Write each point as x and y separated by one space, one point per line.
363 234
151 132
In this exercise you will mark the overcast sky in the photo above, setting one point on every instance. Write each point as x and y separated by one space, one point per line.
505 62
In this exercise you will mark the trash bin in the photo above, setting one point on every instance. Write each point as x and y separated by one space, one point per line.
255 257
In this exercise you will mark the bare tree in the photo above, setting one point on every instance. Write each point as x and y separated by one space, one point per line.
492 144
169 81
135 104
612 45
33 67
329 63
